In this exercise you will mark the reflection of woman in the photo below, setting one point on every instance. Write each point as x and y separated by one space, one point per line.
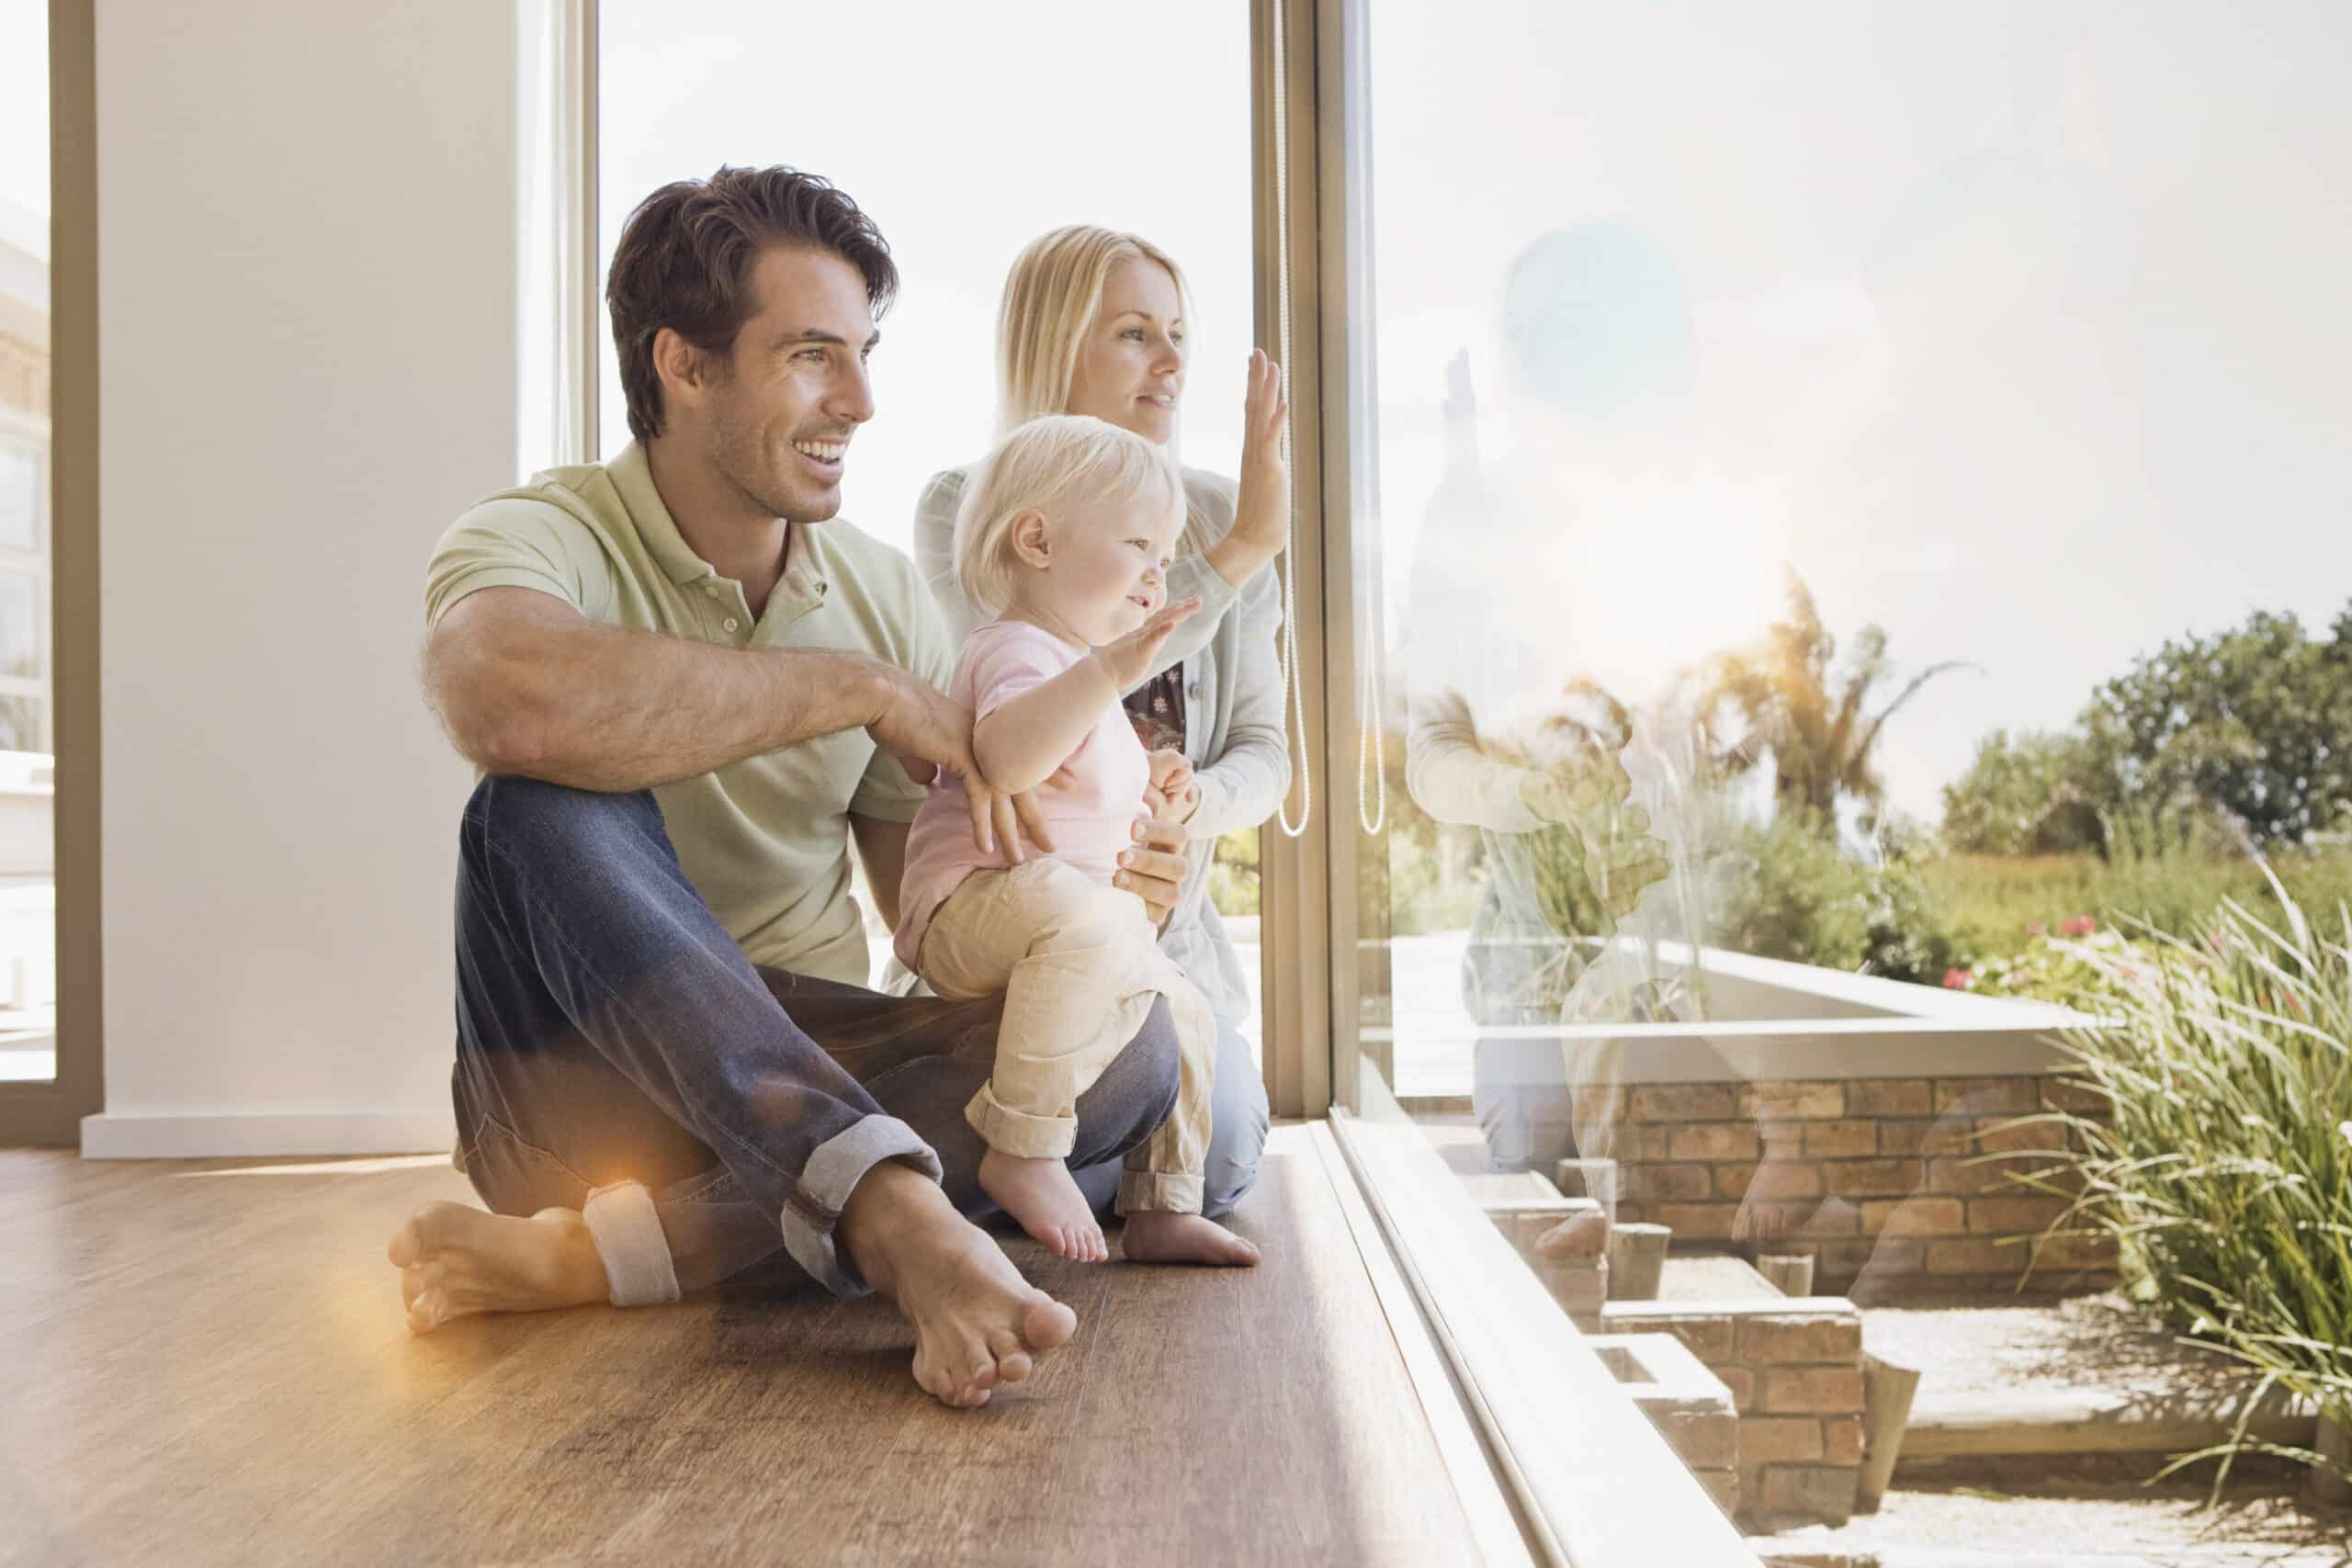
1534 712
1093 322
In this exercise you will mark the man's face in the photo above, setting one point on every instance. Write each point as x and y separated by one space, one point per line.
780 421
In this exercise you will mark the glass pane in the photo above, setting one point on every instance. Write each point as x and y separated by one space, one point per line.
1148 125
28 988
20 648
20 497
1859 514
1132 118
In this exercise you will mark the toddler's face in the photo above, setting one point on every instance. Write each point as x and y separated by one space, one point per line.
1109 564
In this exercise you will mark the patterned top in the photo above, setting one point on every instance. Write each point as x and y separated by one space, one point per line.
1157 708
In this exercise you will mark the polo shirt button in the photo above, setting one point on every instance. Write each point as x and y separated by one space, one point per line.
728 623
1194 690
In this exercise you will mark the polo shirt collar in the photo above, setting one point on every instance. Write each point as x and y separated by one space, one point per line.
633 479
632 476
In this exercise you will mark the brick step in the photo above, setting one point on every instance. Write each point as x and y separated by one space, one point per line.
2093 1421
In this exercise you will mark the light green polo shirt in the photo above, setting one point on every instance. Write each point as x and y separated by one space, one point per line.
764 841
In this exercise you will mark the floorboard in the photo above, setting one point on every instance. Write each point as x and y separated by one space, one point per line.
203 1361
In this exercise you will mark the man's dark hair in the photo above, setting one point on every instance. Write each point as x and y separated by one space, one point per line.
685 256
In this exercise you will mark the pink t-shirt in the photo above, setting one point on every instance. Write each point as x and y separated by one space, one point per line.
1090 804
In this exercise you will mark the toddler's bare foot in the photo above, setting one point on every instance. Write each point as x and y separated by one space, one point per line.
455 1260
977 1323
1158 1235
1044 1196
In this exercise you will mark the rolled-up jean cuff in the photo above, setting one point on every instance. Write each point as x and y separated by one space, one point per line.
1017 1133
631 1245
1150 1189
831 1174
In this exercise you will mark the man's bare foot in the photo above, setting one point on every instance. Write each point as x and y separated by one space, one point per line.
977 1323
1044 1196
455 1260
1158 1236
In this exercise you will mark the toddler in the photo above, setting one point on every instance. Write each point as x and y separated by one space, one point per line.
1065 533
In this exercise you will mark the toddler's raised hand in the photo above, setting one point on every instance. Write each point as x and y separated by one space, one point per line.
1130 659
1174 794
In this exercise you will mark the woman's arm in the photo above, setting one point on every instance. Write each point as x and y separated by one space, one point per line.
935 552
1243 787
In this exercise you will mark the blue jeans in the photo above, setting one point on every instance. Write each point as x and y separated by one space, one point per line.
1238 1123
616 1054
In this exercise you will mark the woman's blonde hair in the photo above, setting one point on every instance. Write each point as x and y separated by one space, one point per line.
1051 297
1060 460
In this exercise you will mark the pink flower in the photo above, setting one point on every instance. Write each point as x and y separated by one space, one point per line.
2081 925
1958 980
2037 928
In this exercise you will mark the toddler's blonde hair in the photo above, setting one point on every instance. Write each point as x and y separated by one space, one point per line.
1055 461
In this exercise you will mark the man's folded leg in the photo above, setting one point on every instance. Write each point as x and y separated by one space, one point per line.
554 1116
608 1027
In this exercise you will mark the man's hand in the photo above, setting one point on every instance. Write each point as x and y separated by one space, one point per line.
929 735
1130 659
1154 869
1174 794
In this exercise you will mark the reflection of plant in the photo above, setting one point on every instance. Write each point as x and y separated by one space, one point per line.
1780 696
2217 1162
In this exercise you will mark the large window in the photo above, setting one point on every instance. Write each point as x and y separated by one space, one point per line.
963 150
1860 507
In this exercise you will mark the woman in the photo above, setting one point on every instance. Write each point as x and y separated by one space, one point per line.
1093 323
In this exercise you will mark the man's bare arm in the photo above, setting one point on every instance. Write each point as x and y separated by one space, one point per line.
526 684
883 847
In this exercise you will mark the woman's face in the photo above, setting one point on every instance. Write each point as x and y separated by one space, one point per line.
1131 366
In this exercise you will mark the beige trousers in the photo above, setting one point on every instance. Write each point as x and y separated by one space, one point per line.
1078 963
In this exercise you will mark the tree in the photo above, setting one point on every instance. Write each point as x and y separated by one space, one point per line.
1785 696
2036 794
2252 721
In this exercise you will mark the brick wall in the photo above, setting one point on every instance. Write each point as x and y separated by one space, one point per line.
1793 1370
1877 1173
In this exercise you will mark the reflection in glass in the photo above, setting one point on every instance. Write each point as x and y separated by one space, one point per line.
1812 499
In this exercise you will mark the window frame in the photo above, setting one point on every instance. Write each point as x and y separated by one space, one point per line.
49 1113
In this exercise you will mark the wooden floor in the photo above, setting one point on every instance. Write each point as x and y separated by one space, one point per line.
204 1362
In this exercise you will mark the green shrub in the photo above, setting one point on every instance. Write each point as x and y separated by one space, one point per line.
1786 890
2222 1163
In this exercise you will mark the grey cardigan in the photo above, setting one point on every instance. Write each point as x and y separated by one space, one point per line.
1233 709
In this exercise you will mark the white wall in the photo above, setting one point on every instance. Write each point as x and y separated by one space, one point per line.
306 283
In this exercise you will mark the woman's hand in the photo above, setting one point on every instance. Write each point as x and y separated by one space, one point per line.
1154 869
1261 511
1130 659
1175 794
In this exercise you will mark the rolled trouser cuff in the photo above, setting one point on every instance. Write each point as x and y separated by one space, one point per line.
631 1243
814 1208
1018 1133
1154 1189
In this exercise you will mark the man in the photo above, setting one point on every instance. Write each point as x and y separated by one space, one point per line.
688 698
